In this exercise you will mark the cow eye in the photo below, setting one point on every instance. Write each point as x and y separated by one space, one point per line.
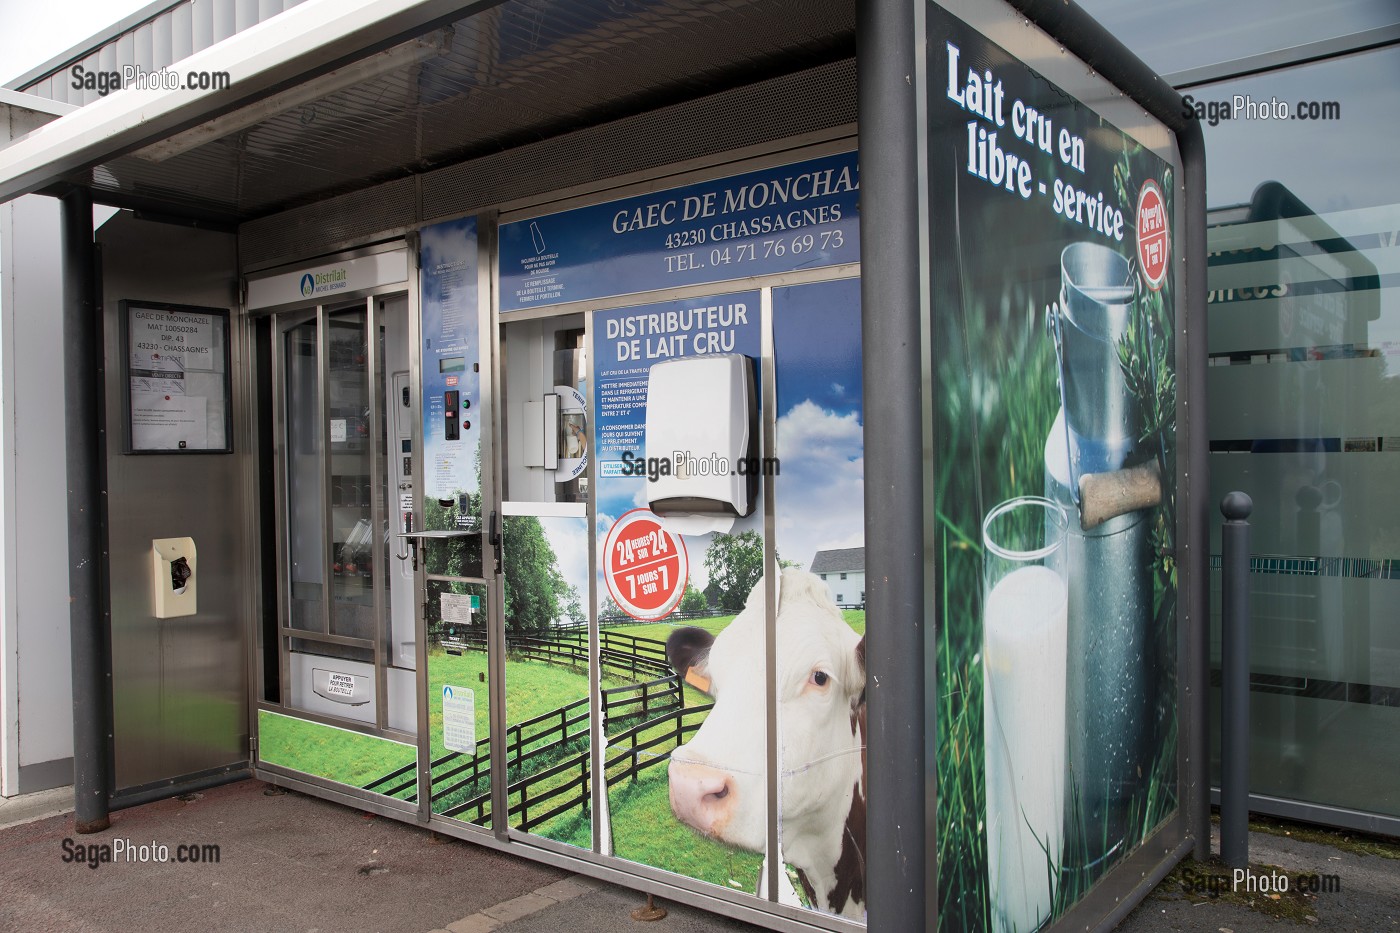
820 678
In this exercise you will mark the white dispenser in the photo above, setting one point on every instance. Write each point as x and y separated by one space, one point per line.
174 580
701 415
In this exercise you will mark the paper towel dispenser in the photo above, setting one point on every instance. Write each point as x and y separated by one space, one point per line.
702 414
174 582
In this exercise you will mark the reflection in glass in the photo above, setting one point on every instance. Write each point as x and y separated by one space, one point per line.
302 442
1304 416
351 450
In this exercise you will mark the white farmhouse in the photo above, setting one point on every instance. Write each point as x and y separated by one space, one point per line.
843 570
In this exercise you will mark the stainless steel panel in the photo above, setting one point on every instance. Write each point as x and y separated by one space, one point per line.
225 21
180 701
245 14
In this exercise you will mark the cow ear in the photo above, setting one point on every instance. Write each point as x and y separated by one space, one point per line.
688 650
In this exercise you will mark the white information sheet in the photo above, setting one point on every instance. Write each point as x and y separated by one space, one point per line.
458 719
457 608
177 380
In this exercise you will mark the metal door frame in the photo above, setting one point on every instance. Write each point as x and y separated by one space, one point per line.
282 321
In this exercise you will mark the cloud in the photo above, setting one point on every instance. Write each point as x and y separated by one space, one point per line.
821 490
569 539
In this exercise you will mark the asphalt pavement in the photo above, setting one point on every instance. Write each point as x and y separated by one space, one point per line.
287 861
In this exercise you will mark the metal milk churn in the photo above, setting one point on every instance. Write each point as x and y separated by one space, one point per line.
1111 677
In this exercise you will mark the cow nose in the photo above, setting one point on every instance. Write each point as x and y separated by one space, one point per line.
701 796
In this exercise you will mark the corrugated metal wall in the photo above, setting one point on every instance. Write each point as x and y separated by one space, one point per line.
162 39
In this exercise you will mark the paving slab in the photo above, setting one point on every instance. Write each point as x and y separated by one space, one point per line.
285 862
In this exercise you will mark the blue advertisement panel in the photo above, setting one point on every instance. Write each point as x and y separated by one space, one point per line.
798 216
628 342
451 354
680 555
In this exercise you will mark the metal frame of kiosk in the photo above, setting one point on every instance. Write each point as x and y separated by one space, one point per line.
409 541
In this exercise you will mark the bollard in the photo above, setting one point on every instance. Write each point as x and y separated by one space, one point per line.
1234 680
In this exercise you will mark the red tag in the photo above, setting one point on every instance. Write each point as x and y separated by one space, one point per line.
1153 241
645 567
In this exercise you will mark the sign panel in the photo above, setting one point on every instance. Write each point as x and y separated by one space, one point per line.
451 354
459 719
1053 353
457 608
177 368
325 282
798 216
627 342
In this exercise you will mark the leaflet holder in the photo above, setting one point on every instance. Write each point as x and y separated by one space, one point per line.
174 578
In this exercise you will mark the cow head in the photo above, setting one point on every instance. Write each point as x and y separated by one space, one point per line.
717 779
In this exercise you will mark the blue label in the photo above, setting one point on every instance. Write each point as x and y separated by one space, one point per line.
799 216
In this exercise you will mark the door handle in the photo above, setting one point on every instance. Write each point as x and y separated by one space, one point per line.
409 543
495 538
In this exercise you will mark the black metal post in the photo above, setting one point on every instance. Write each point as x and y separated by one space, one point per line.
1234 686
83 420
899 889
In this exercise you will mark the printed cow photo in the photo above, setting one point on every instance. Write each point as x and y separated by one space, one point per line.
718 780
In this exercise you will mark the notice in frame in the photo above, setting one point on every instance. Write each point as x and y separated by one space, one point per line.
177 369
774 220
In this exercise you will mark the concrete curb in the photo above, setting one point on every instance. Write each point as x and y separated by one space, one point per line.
26 808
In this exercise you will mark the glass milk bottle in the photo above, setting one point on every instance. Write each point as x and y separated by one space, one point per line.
1024 618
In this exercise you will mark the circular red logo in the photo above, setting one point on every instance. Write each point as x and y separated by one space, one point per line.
1153 246
645 567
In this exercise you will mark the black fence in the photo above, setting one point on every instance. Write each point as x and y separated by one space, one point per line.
636 752
535 798
525 742
661 695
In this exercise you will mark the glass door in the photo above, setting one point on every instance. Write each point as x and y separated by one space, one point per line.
342 402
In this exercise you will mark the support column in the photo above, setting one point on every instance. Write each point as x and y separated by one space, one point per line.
83 424
899 745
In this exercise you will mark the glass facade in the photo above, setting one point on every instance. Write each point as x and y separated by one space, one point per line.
1304 382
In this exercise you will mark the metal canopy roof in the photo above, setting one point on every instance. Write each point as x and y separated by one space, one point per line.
328 97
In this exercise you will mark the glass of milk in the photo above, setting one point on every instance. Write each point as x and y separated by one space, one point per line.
1024 616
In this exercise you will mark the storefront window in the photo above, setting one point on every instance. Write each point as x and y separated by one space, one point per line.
1304 415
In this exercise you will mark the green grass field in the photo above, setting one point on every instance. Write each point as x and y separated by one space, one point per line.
645 831
335 754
